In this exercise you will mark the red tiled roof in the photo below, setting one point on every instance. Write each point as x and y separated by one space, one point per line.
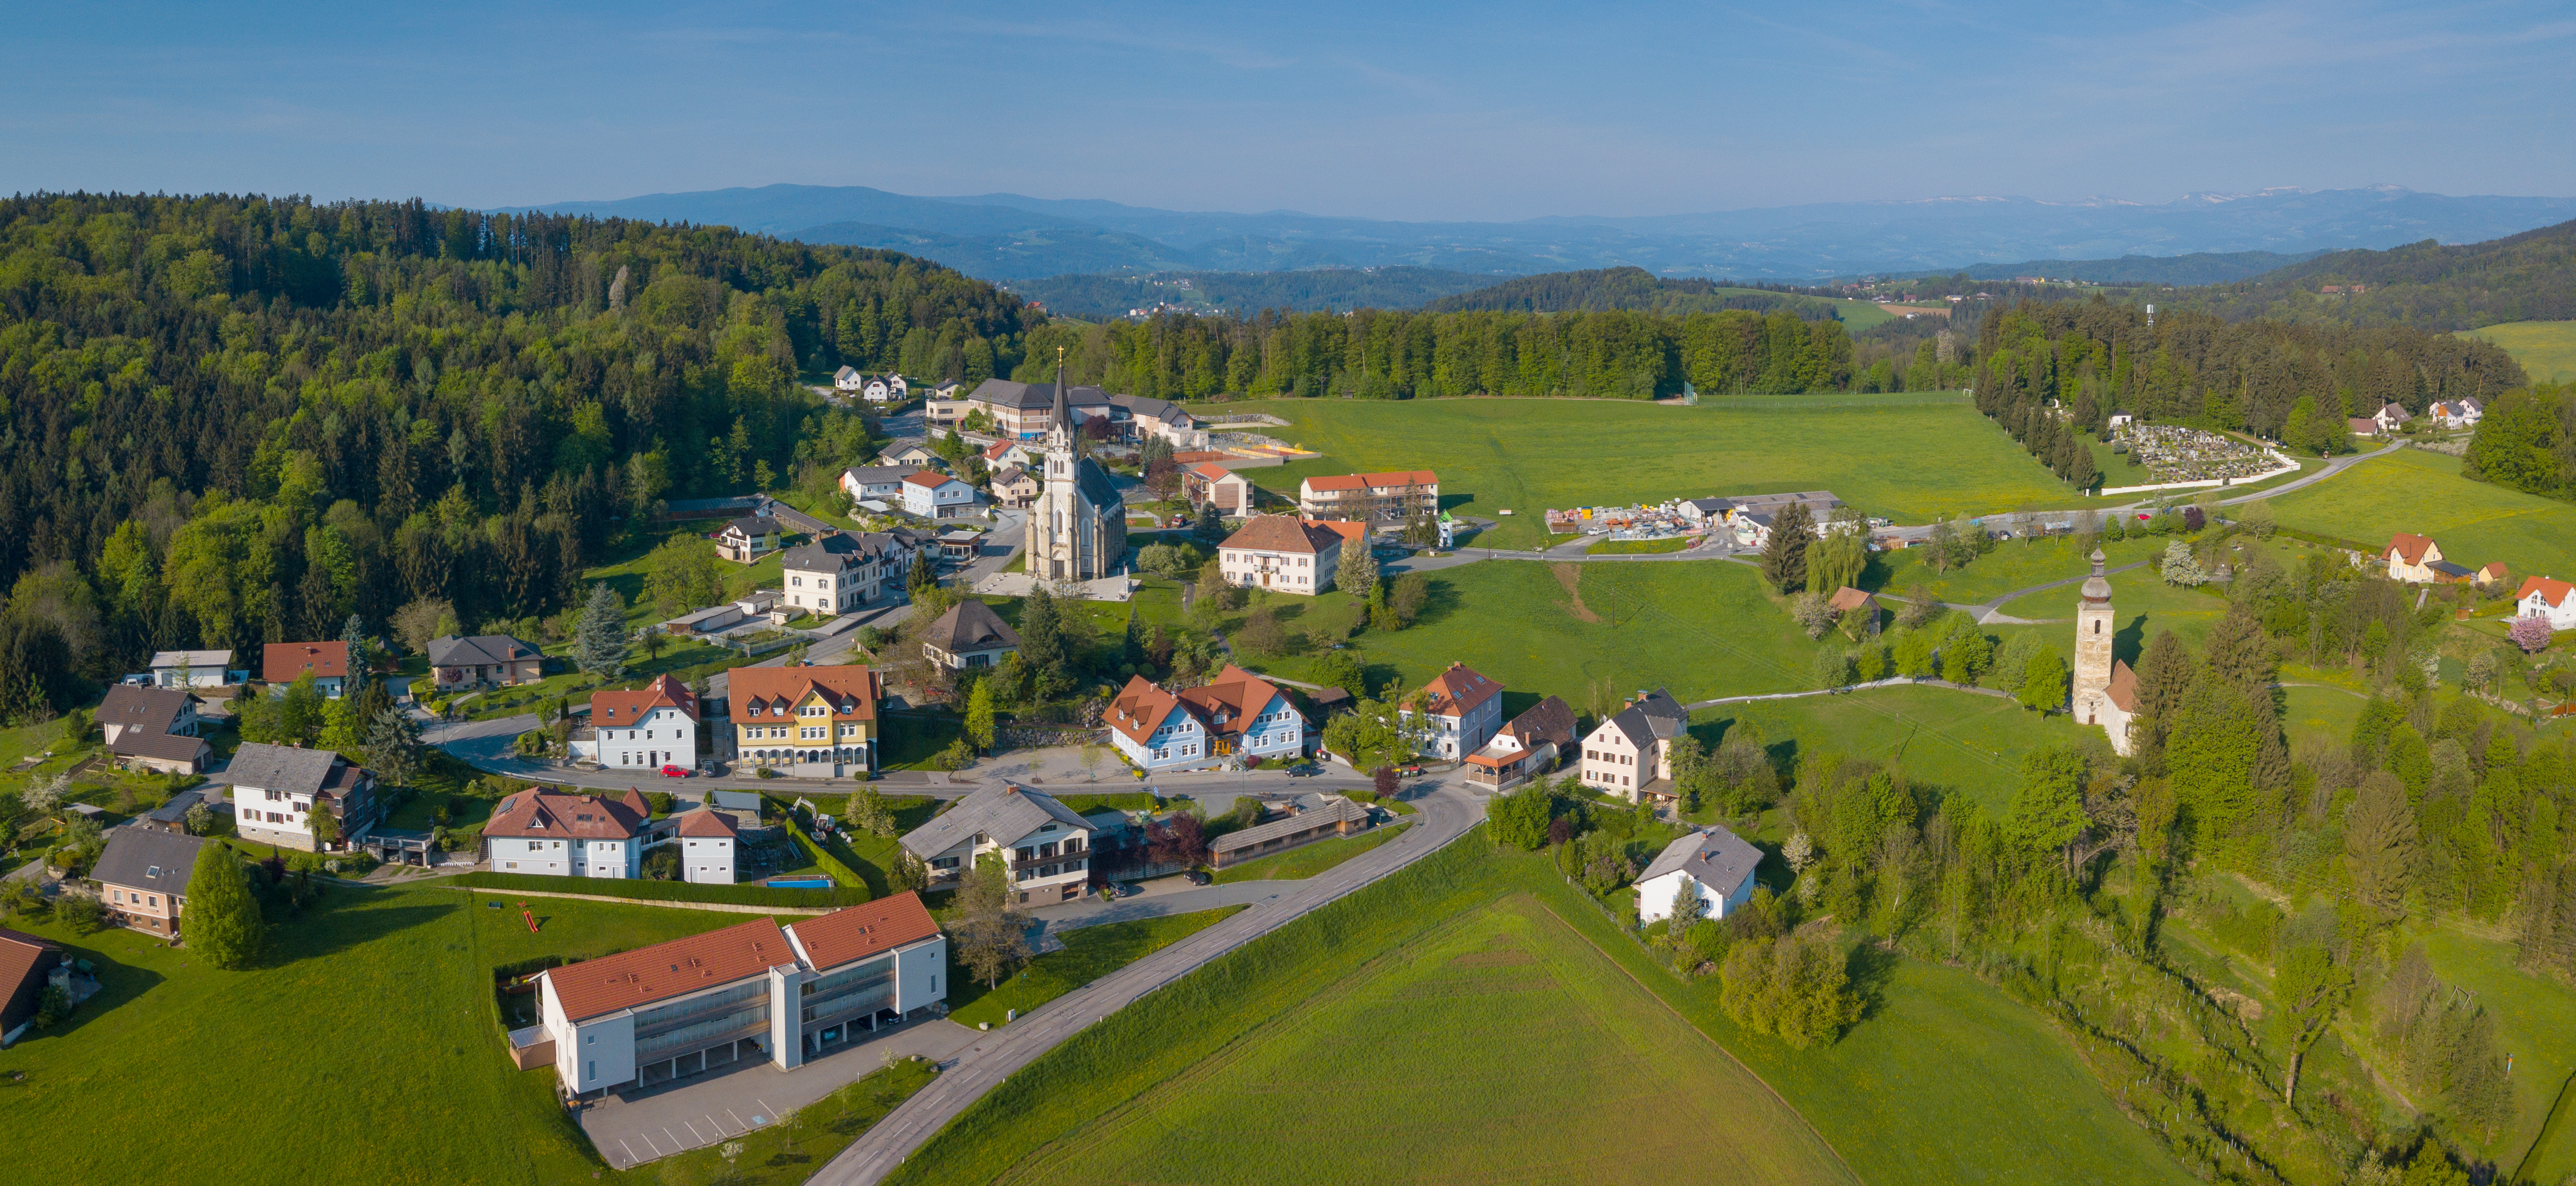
1848 599
1407 477
2409 548
2553 592
2494 568
1140 708
623 708
647 974
929 478
847 936
857 685
1211 471
546 813
1281 533
707 823
1455 692
1233 697
281 662
2124 687
19 956
1351 530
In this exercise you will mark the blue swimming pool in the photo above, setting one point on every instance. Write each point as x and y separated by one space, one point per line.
798 883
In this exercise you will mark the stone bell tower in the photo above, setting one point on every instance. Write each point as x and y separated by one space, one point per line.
2103 690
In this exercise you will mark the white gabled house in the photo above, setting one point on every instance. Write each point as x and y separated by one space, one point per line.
644 729
544 833
1715 865
1459 711
1630 755
933 495
848 379
2542 597
1044 846
707 840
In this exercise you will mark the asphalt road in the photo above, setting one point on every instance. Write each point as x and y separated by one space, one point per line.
1445 814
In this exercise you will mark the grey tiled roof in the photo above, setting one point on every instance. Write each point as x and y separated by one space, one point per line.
1654 717
1332 810
134 854
998 809
1717 858
480 648
280 768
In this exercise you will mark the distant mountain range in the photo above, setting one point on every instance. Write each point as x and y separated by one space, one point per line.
1014 237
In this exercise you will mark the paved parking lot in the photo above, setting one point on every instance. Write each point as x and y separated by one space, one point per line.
703 1110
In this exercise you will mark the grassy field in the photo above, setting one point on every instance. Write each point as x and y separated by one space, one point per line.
2012 565
1430 1066
2141 601
1089 954
2546 349
1938 736
1308 860
2535 1021
1704 628
1338 1015
2412 490
375 1003
1909 456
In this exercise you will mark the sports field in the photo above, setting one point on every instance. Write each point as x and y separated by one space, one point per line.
1909 456
2546 349
1501 1048
1701 627
2420 492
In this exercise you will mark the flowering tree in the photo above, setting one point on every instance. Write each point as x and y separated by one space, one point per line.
2531 633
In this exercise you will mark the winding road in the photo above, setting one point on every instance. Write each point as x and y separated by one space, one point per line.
1442 816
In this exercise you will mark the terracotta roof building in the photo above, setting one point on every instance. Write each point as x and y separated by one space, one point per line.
1459 709
549 833
326 662
27 963
815 722
645 728
1281 553
1397 496
1237 712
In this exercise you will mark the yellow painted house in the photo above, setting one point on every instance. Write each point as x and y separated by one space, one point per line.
815 722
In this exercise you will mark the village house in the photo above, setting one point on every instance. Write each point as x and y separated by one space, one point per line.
1282 553
909 452
708 839
2461 413
282 663
194 669
2542 597
751 990
1208 483
2391 417
1397 496
876 483
936 496
838 571
647 728
1714 865
1308 818
2417 560
483 661
969 635
278 788
1528 747
2361 426
131 717
1044 845
1457 711
1021 410
1236 712
1012 452
1138 417
2491 577
552 834
1015 487
1630 755
848 380
746 540
885 389
811 722
142 878
27 966
757 605
1856 605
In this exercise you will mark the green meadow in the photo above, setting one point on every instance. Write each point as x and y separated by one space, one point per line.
2546 349
1909 456
2421 492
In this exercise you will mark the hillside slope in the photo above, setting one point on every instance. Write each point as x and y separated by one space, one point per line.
2526 277
1632 289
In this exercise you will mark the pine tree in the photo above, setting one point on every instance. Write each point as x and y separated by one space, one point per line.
361 655
223 922
1784 556
599 638
393 746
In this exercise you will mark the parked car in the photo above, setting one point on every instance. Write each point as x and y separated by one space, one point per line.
670 771
1198 877
1414 770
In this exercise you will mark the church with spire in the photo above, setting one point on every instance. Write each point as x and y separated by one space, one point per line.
2105 691
1078 527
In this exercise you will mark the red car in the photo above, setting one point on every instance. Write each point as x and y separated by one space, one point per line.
675 772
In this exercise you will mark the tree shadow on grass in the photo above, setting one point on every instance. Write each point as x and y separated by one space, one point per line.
117 984
1872 969
337 923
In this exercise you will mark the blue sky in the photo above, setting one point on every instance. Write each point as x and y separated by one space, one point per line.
1430 111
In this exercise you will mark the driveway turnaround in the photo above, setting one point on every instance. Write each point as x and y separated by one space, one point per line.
705 1109
1445 814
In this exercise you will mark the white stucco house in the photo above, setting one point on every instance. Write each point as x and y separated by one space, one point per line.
934 495
1715 865
1458 711
2544 597
1234 715
644 729
707 840
546 834
1044 846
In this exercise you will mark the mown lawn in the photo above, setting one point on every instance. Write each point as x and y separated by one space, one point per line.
1534 1058
1089 954
1704 628
1939 736
377 1004
1308 860
2420 492
1910 456
2013 564
1432 1066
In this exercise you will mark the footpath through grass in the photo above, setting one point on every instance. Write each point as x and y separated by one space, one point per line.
1449 1017
1911 455
1089 954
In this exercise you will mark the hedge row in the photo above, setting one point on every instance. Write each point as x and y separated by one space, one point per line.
670 891
823 858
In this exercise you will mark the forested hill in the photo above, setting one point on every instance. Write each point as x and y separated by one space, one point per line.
2525 277
1093 296
1631 289
230 420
